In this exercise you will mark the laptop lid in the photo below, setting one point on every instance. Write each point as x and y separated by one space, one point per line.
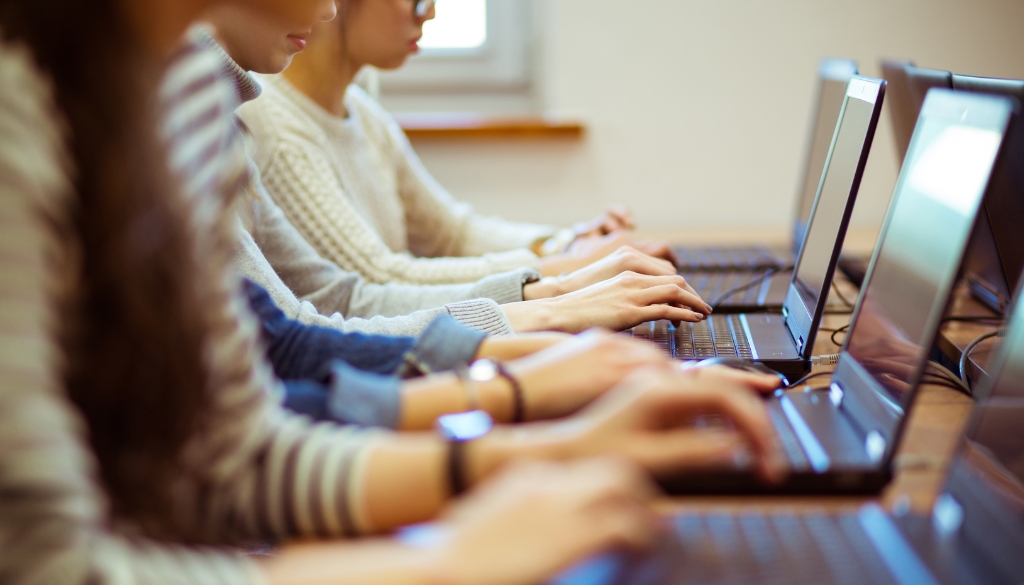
902 110
833 77
983 497
833 206
917 259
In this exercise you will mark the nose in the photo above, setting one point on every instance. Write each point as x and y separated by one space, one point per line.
328 11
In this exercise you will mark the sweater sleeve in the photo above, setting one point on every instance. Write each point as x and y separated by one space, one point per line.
54 525
301 180
438 224
331 289
249 261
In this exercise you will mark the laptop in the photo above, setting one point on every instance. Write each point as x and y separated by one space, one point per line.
996 254
974 534
713 271
784 341
842 440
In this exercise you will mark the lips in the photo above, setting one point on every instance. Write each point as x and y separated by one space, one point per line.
298 42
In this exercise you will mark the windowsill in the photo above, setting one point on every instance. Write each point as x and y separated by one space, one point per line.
450 126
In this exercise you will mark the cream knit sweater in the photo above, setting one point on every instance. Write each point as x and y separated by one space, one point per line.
354 188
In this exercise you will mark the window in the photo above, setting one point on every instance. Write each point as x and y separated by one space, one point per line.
472 46
460 25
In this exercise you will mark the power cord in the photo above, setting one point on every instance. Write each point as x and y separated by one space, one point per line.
966 355
737 289
807 378
839 293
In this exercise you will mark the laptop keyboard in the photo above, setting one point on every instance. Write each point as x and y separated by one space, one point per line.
712 285
777 548
714 258
717 336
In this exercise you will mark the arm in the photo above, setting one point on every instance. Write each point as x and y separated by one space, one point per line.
54 519
303 182
438 224
331 288
249 261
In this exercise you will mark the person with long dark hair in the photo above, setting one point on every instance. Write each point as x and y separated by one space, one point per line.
141 434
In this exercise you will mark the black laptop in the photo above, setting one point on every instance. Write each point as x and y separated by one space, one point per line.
974 534
784 341
842 440
725 273
996 255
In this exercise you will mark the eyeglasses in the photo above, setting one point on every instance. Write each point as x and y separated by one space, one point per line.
420 8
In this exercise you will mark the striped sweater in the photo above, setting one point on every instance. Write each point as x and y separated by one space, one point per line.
257 472
355 189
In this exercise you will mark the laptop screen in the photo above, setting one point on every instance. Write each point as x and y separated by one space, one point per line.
832 207
921 248
835 74
995 445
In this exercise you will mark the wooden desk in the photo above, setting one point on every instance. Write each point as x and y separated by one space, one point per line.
933 431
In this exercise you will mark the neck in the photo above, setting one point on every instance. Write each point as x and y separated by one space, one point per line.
322 76
159 24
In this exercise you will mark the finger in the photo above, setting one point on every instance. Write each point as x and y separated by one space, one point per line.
623 214
747 412
688 450
636 261
611 478
671 313
674 294
626 525
762 383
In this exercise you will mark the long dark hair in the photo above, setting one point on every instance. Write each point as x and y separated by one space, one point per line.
132 332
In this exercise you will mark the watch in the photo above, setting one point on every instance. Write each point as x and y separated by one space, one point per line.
485 370
459 429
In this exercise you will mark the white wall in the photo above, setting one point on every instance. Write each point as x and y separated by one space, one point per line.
698 110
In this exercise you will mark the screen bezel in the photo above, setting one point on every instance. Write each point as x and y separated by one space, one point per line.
802 317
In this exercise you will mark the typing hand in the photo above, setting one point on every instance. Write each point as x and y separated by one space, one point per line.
562 379
647 419
618 303
532 520
624 259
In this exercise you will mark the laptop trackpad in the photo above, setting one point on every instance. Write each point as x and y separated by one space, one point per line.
833 431
770 337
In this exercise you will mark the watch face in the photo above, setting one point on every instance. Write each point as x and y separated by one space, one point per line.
465 426
483 371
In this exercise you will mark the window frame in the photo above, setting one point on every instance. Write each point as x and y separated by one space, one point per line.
501 65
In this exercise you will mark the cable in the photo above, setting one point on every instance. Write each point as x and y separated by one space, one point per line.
839 293
803 380
828 359
973 319
966 355
736 289
947 378
835 332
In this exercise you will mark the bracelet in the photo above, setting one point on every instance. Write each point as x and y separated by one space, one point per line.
518 398
469 387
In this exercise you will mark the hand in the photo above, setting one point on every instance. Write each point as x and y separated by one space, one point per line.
618 303
625 259
562 379
615 218
645 419
532 521
713 376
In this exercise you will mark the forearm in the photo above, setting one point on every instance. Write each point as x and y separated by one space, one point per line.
510 348
424 400
406 480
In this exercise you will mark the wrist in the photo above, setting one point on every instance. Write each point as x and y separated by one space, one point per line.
538 315
544 288
536 441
